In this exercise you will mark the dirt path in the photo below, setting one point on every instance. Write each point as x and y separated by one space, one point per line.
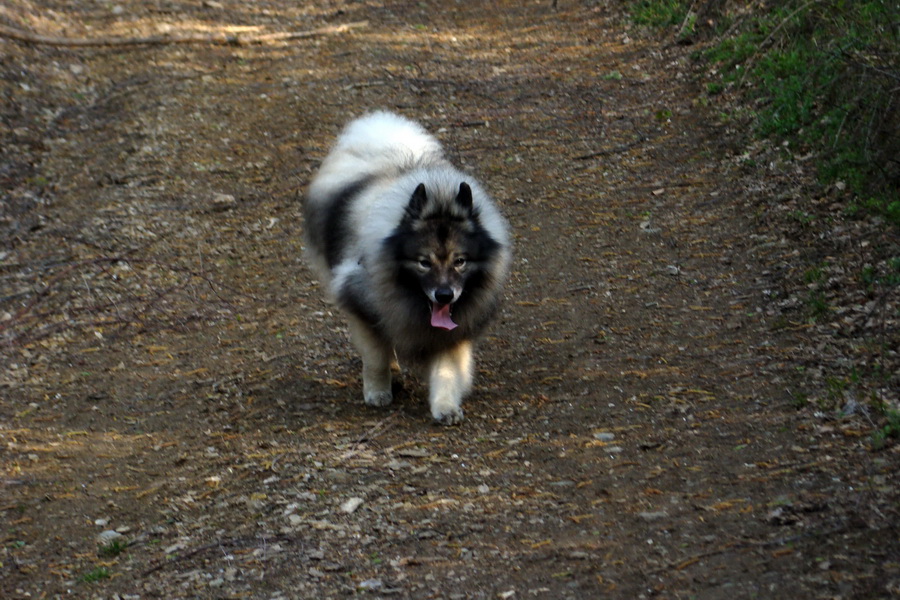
174 375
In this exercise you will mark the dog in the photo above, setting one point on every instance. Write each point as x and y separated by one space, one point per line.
413 250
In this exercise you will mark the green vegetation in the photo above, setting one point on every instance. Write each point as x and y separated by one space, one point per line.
891 429
95 575
873 280
816 301
112 549
659 13
821 75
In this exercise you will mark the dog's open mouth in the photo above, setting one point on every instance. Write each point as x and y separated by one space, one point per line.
440 316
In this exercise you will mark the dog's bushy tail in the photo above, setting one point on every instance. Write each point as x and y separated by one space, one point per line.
383 133
376 145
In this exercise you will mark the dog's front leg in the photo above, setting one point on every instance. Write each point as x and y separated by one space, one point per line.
376 357
449 379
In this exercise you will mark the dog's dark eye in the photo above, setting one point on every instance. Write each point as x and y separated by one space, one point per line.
459 262
425 263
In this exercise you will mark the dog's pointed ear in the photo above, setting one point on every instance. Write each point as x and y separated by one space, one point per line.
464 197
417 202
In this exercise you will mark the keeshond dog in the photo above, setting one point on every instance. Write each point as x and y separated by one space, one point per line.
414 252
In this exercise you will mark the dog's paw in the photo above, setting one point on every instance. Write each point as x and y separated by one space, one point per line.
447 416
381 398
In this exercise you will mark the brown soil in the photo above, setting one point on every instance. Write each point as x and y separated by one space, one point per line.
654 416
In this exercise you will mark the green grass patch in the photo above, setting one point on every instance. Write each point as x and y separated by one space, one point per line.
95 575
659 13
112 549
890 430
823 75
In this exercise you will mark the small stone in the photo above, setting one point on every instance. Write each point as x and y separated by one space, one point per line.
647 227
653 516
396 465
108 537
174 548
370 584
351 505
427 534
223 202
413 453
604 436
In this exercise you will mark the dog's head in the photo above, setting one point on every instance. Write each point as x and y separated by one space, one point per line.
441 248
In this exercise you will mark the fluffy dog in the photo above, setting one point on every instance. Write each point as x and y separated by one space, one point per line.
412 249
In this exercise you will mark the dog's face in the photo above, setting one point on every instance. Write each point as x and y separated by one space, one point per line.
441 271
442 247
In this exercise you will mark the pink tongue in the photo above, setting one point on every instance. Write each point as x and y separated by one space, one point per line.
440 316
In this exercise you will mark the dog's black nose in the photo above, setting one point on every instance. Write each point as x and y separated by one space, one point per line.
443 295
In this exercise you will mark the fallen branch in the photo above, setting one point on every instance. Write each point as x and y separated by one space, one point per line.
222 39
